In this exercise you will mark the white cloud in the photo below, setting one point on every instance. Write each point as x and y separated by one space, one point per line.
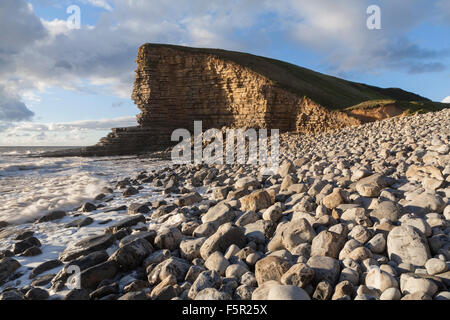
36 54
85 132
99 3
56 27
83 125
12 108
446 100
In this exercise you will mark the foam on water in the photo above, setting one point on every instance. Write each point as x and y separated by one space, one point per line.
32 187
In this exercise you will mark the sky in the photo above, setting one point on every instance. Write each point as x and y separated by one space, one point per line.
64 84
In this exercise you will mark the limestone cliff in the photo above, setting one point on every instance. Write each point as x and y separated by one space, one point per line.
176 85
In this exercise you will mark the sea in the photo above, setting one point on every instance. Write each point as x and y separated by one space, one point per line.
31 186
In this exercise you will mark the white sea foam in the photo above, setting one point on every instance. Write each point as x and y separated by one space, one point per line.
32 187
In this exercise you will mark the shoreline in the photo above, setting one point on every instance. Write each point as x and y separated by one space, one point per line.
361 213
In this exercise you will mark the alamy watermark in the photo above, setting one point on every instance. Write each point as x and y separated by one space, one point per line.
208 147
74 20
374 20
74 280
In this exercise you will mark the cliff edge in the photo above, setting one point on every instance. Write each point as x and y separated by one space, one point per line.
176 85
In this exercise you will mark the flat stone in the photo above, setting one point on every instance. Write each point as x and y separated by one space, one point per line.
80 222
54 215
91 277
86 246
125 223
45 266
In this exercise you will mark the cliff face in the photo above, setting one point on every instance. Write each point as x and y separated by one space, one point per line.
174 86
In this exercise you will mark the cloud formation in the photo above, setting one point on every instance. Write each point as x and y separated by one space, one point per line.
85 132
12 108
36 54
446 100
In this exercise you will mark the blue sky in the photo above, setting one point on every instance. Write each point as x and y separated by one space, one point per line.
61 86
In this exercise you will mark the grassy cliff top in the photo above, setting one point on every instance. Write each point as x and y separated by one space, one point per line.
331 92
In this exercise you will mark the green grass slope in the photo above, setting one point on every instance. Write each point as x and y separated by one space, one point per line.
331 92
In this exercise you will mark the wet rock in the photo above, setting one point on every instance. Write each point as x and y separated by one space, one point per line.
132 254
23 234
12 295
54 215
43 280
91 277
37 294
105 290
188 199
7 267
45 266
77 294
23 245
130 191
31 252
88 207
82 263
80 222
125 223
136 208
86 246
